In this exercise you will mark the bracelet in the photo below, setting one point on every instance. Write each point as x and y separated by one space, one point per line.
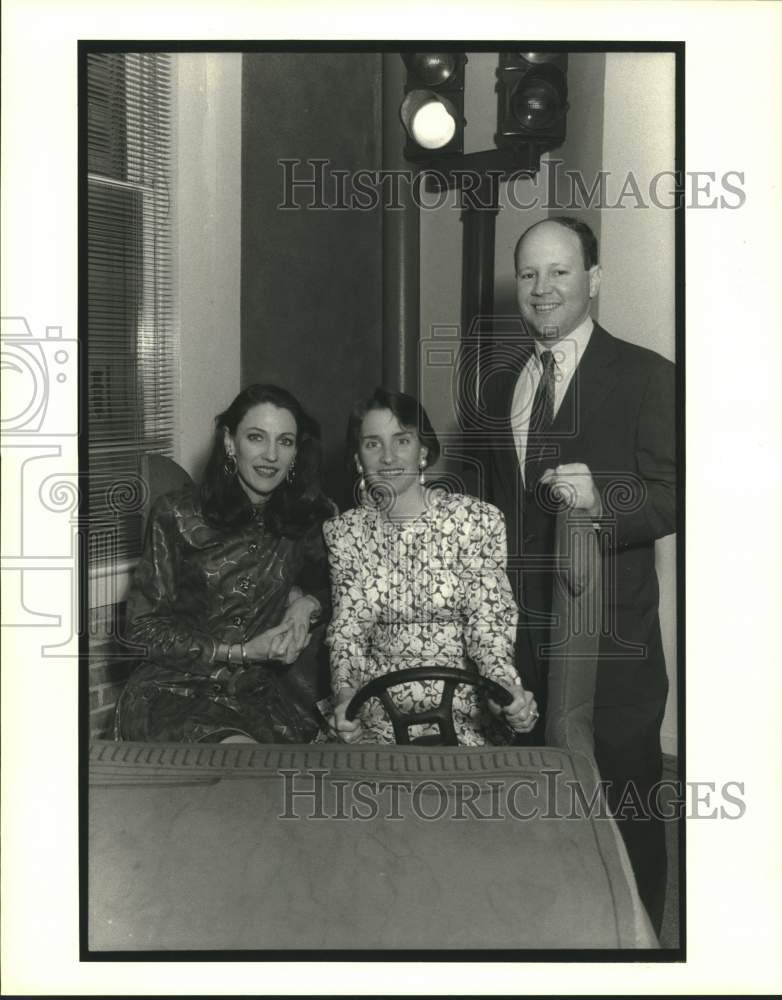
229 654
244 656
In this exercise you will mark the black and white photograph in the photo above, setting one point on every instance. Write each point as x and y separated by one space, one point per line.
401 442
371 457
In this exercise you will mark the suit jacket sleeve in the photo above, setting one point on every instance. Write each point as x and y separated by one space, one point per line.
645 509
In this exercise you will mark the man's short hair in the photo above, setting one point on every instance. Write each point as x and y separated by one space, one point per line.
581 229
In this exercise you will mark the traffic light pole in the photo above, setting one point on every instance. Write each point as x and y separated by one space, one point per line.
401 248
479 218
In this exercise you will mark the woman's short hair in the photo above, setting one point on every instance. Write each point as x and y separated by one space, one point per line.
407 410
293 506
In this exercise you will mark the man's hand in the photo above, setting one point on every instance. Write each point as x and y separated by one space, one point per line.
574 485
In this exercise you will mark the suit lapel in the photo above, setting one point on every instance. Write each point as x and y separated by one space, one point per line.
594 377
592 380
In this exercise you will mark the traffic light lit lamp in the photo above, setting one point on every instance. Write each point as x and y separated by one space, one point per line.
531 112
433 108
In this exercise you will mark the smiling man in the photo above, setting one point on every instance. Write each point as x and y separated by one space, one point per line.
589 421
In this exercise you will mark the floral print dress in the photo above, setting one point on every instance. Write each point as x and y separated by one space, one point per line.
428 591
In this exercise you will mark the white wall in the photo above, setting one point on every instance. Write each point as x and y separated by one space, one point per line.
207 207
637 255
637 245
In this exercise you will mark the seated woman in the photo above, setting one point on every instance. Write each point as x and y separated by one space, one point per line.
418 579
232 576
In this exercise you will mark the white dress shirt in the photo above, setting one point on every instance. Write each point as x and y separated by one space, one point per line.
567 353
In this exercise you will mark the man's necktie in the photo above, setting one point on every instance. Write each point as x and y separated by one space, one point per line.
541 419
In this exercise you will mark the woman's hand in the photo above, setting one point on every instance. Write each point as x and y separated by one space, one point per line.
268 645
347 732
522 713
297 620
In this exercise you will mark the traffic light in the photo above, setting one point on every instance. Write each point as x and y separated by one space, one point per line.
433 109
532 99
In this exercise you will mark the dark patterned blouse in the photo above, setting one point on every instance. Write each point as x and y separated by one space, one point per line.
196 586
429 591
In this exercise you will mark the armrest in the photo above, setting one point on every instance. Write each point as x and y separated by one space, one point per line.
575 634
161 475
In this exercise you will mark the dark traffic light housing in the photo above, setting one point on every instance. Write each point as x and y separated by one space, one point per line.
532 99
433 108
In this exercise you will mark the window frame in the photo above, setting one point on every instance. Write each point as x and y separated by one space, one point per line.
110 557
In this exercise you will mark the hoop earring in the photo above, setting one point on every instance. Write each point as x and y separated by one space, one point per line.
230 465
291 471
421 467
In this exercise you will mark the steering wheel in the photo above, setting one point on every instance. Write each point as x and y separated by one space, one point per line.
442 714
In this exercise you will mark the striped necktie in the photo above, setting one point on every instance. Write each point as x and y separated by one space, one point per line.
541 419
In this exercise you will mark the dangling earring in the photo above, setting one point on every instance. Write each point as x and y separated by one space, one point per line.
291 471
362 485
230 464
421 467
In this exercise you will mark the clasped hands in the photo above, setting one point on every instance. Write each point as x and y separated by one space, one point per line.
521 714
285 641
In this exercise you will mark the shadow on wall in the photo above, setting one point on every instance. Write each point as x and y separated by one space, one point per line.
198 464
505 303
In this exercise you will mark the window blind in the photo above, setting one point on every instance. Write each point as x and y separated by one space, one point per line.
130 334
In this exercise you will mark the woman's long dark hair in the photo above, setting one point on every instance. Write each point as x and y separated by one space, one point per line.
293 506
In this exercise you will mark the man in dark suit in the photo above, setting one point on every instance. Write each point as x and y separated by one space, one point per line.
589 419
